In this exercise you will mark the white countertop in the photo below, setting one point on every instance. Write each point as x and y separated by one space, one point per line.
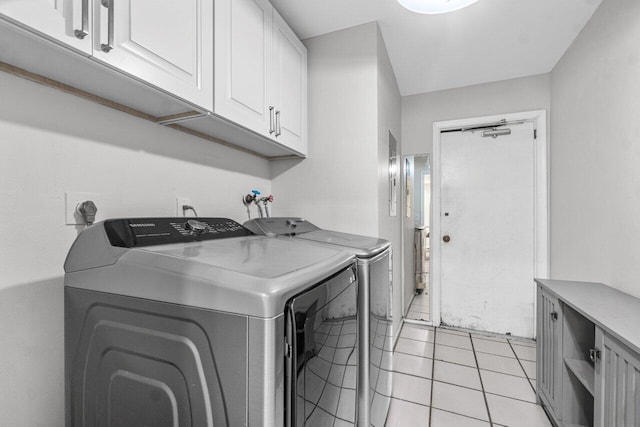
614 311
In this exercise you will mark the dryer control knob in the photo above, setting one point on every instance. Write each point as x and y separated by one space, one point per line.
198 227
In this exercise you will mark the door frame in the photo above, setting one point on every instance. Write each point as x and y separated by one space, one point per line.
541 203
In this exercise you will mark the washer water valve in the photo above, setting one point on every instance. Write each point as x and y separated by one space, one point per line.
265 208
262 203
250 198
88 211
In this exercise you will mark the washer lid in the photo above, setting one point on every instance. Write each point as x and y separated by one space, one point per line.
251 275
258 257
362 246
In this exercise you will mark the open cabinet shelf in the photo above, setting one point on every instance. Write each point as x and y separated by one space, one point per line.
588 354
583 371
578 338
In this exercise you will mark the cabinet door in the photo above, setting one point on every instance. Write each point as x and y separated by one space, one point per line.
549 375
242 58
617 383
56 19
290 86
166 43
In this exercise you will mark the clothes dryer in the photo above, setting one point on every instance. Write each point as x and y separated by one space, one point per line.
176 322
375 272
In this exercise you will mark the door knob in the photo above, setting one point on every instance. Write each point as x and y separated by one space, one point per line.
446 238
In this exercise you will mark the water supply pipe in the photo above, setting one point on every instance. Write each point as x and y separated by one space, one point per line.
267 205
251 198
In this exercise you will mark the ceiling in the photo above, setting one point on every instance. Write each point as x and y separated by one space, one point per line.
488 41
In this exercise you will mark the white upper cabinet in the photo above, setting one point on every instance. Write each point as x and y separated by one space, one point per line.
243 61
166 43
67 21
260 72
290 84
228 70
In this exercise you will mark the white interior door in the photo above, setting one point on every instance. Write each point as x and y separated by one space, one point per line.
488 215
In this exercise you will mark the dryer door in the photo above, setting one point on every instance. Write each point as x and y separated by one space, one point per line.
322 353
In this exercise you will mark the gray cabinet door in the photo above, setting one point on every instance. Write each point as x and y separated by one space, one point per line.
617 384
549 375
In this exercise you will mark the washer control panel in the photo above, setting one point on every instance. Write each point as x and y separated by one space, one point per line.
134 232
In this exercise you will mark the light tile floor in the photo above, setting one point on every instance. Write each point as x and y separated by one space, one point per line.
450 378
419 307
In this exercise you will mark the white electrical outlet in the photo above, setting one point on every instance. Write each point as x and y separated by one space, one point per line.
73 199
181 201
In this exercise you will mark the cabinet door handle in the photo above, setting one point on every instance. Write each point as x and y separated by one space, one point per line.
83 31
271 119
554 316
278 132
109 5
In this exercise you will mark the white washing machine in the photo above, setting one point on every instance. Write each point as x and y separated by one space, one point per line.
175 322
375 273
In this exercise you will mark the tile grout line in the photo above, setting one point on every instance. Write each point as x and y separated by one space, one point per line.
522 367
433 372
462 364
511 397
529 379
463 415
484 394
448 345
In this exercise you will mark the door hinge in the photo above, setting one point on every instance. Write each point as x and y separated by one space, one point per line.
535 134
594 355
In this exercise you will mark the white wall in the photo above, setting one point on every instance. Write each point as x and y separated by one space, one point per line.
595 152
419 112
335 187
508 96
51 142
390 228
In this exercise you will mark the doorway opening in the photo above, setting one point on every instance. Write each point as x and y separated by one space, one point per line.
417 209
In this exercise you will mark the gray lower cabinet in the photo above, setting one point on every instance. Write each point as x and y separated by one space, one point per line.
617 385
588 354
549 340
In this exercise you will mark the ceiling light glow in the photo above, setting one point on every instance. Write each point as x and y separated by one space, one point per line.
432 7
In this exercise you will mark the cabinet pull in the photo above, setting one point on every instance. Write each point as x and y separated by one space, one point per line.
271 128
278 131
109 5
83 31
554 316
594 355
